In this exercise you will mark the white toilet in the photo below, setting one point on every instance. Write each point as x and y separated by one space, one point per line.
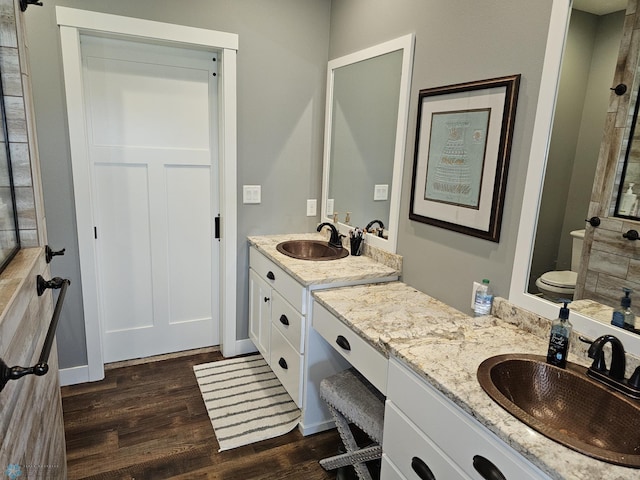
556 285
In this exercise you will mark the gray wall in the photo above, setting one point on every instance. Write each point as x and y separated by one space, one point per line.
282 63
583 98
284 47
456 41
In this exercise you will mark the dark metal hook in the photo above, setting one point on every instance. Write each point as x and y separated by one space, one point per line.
619 89
593 221
25 3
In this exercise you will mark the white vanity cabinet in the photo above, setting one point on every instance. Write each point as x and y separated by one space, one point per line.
427 436
366 359
277 307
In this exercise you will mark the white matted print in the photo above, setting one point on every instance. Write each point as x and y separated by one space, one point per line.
463 141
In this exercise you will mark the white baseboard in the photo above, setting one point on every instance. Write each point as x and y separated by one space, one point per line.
245 346
316 427
74 375
80 374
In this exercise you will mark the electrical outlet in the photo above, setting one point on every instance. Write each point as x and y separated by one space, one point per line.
251 194
311 207
476 285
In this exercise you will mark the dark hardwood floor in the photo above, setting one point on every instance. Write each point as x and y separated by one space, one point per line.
149 421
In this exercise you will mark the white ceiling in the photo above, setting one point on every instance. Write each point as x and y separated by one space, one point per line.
600 7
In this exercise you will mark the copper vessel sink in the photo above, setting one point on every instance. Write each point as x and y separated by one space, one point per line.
566 406
311 250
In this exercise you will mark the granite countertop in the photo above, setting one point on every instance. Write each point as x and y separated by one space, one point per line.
348 269
445 347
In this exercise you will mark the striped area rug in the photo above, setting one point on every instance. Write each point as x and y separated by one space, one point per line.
245 400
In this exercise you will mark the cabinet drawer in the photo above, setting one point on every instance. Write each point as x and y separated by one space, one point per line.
389 471
406 446
366 359
287 365
452 430
288 320
291 290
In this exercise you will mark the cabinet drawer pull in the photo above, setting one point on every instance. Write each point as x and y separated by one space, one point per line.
284 320
343 342
283 363
266 299
487 469
421 469
270 275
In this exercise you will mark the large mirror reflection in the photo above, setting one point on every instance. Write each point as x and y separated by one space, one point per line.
588 67
365 135
607 259
363 131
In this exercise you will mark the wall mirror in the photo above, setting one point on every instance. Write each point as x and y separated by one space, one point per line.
365 136
9 236
540 175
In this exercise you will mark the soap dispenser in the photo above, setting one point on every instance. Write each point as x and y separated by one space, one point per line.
559 338
628 200
623 317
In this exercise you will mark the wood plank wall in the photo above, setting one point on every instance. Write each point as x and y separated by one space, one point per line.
611 261
31 424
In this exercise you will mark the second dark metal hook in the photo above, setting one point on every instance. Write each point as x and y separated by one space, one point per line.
25 3
55 283
619 89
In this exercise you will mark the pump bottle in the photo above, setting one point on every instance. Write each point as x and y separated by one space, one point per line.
559 338
623 317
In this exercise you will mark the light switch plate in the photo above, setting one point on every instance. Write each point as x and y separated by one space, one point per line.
251 194
380 192
329 207
311 207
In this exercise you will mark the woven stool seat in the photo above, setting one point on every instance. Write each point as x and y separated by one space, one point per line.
352 399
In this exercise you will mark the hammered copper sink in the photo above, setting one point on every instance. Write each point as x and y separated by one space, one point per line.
311 250
566 406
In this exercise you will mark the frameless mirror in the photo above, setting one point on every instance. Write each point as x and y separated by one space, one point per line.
520 290
626 204
9 237
588 68
365 137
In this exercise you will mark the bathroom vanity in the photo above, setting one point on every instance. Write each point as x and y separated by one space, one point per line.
436 412
280 314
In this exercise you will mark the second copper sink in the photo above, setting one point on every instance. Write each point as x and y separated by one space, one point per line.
311 250
566 406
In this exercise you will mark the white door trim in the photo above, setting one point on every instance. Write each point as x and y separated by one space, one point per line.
72 23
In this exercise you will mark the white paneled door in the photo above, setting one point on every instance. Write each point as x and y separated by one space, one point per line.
151 114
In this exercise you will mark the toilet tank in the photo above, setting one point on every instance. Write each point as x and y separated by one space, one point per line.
577 237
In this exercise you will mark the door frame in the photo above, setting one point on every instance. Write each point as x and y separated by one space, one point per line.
73 23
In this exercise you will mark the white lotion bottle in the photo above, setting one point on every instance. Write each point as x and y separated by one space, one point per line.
628 200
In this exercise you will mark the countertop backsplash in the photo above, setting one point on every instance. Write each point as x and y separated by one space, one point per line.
540 326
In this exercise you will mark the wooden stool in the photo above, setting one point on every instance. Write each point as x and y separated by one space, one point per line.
352 399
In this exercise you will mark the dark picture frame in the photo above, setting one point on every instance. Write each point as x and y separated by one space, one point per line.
461 159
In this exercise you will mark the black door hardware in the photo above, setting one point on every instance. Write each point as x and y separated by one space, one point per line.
631 235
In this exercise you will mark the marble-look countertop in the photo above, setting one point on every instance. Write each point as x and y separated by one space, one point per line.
445 347
308 272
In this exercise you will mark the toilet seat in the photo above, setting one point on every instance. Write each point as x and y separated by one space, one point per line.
560 279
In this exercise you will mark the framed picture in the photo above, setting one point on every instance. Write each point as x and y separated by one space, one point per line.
461 159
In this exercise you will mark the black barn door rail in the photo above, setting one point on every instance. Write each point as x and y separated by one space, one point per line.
42 367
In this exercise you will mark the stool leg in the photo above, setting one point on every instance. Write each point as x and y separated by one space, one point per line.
350 444
366 454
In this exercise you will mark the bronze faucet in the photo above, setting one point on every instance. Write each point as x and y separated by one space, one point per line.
336 238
